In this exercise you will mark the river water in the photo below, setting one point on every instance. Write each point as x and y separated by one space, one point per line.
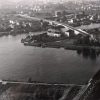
91 26
19 62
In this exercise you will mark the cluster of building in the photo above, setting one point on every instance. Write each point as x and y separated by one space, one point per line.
18 24
60 30
74 13
75 19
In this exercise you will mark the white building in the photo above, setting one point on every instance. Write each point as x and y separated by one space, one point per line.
64 29
67 33
53 33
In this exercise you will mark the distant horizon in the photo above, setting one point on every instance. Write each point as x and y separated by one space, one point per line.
14 2
41 0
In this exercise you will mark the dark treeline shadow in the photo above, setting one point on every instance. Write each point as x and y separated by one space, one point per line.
88 53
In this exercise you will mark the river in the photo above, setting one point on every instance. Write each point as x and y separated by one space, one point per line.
91 26
51 65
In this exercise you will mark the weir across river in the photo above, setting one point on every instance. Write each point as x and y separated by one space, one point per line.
42 91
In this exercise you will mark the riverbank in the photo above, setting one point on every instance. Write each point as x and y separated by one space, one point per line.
4 34
66 44
18 33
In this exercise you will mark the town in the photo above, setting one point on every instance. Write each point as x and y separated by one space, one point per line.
80 15
72 13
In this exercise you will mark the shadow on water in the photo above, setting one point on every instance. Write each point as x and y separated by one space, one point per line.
89 53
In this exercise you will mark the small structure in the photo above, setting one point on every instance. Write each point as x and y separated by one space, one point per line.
53 32
58 13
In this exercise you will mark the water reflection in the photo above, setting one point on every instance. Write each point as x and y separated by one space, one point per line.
89 53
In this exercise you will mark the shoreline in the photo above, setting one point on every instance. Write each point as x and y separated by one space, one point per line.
15 33
62 44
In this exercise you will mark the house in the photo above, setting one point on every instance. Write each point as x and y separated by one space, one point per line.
63 30
67 33
71 21
71 33
53 32
58 13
